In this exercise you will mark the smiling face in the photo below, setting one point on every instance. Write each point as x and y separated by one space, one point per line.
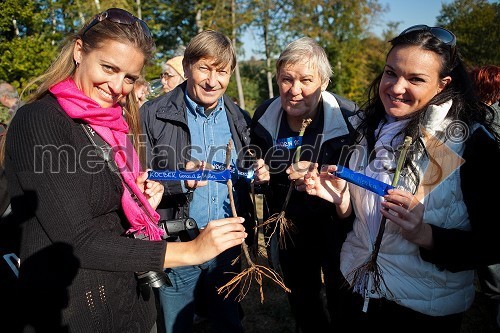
300 90
107 74
410 80
206 83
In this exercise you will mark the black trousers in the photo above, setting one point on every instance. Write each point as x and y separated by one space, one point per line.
310 266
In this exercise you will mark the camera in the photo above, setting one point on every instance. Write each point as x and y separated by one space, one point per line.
186 229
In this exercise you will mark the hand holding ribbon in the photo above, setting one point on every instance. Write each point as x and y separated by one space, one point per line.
192 166
152 190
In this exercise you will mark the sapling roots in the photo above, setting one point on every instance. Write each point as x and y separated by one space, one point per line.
360 276
278 221
242 281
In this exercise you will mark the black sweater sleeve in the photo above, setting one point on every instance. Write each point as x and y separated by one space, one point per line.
457 250
62 195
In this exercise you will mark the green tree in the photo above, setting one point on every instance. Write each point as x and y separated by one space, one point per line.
339 26
26 43
269 18
254 82
475 23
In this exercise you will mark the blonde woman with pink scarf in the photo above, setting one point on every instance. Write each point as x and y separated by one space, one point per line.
78 271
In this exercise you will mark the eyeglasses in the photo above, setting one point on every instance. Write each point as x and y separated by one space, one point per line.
445 36
167 76
120 16
11 94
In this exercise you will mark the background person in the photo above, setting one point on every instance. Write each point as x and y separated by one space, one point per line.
312 250
141 90
4 195
9 102
486 80
77 270
438 226
172 73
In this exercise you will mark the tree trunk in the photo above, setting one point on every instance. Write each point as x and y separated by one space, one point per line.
199 25
241 96
139 9
268 52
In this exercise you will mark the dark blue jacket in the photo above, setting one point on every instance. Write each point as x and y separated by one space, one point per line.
164 123
337 133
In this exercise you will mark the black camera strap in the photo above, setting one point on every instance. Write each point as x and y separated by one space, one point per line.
104 150
148 279
184 208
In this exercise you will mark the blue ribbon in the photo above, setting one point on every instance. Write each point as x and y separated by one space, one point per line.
234 171
189 175
289 143
369 183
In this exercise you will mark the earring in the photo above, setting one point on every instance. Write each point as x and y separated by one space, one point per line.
77 63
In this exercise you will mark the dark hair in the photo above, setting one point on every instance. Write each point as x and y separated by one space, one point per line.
466 106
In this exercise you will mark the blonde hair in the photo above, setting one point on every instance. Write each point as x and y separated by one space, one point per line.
95 38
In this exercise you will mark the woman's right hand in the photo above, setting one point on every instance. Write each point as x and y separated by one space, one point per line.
215 238
308 179
324 185
327 186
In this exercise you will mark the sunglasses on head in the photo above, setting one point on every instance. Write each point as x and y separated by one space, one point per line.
445 36
120 16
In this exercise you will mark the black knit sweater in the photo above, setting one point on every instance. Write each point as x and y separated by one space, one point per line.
77 270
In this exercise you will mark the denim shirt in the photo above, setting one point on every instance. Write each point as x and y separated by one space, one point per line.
209 138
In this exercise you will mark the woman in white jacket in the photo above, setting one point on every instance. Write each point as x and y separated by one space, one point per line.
436 230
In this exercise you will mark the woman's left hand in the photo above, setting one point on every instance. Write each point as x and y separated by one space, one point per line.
405 210
152 190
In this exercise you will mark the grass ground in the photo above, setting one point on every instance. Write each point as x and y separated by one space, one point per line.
274 315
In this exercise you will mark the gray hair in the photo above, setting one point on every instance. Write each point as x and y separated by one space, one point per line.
306 48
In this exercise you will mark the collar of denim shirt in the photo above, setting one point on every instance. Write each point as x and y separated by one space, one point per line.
199 111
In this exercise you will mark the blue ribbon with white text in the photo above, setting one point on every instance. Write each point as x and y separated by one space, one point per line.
235 172
289 143
369 183
200 175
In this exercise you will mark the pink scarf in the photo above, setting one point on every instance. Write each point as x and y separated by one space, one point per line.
112 128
